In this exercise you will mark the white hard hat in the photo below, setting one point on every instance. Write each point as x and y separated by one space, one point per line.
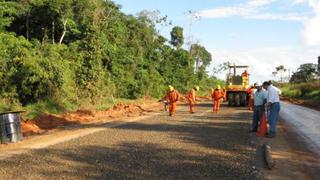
257 84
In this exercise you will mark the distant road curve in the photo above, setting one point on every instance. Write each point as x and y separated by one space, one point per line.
306 122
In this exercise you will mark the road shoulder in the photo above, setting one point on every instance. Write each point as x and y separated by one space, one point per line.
62 134
293 159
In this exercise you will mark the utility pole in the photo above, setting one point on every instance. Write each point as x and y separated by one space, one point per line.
192 16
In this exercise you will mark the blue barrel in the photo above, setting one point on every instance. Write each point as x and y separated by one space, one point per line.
10 127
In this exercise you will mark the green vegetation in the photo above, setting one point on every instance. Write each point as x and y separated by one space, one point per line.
304 83
307 90
58 55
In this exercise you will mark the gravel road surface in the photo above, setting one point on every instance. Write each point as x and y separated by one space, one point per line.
204 145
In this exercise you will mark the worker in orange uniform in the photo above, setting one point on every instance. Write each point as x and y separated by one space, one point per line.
251 92
192 98
172 97
217 95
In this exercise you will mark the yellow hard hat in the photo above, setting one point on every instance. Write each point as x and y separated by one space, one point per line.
197 88
171 88
218 87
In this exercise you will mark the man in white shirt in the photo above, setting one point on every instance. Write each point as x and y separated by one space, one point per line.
273 103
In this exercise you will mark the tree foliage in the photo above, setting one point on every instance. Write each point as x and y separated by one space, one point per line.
177 38
305 73
74 50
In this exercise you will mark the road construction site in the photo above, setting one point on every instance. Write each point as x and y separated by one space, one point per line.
204 145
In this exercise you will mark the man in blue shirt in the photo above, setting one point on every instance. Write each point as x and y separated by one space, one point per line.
260 99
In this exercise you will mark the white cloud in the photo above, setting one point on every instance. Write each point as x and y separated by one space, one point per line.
263 61
252 9
311 31
295 2
282 17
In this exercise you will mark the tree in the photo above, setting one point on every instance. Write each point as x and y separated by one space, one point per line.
280 69
220 68
305 73
7 12
75 51
201 55
177 38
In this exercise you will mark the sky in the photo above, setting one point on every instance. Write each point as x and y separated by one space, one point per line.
260 33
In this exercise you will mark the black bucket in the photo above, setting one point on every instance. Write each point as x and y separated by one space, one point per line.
10 127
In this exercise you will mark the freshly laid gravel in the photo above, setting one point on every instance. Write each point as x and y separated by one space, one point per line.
199 146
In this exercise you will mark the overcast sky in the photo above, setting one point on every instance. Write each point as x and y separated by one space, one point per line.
260 33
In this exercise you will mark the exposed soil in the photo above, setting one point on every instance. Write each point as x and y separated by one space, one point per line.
83 116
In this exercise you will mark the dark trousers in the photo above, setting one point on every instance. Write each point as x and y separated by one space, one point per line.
257 115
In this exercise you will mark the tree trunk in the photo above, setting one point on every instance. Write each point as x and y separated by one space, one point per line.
64 31
52 32
27 25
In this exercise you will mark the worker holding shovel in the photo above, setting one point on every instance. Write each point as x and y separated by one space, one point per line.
172 98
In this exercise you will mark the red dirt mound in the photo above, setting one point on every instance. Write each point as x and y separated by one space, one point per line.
29 128
50 121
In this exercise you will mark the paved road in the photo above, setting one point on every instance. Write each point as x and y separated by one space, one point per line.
306 123
199 146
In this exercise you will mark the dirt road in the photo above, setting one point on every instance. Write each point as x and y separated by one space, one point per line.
203 145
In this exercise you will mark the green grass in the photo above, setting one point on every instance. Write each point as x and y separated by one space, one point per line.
305 91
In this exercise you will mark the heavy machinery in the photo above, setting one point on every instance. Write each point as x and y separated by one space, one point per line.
237 86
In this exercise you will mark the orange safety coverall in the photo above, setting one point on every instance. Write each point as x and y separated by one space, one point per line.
251 98
192 100
217 95
172 97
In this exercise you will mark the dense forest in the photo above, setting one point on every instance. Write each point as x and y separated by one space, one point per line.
73 51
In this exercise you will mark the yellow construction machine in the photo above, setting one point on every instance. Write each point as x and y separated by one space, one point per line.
237 86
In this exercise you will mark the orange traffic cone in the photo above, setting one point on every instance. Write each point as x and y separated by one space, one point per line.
263 126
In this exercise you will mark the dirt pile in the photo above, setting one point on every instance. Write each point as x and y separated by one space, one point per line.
29 128
83 116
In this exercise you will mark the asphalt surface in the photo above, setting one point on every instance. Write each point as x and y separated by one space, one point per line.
305 122
204 145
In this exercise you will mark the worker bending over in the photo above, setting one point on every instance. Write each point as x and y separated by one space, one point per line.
251 92
192 98
172 97
217 95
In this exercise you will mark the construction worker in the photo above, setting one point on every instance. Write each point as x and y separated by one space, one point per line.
245 78
217 95
172 97
251 92
192 98
273 104
260 99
